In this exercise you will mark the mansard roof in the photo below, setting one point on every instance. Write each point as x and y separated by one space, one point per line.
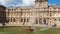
55 6
28 7
2 6
11 7
25 7
40 0
20 7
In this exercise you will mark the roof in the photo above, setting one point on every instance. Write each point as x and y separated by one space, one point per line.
2 6
40 0
25 7
28 7
11 7
55 6
21 7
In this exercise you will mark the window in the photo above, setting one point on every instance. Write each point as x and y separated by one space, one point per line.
59 19
8 9
27 20
14 20
36 21
54 19
44 21
11 19
7 19
21 20
40 21
24 20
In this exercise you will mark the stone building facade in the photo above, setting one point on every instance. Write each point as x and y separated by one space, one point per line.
40 14
3 18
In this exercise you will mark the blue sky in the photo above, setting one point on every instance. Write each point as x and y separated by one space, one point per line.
56 2
24 2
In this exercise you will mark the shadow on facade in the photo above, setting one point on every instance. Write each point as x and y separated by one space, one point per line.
3 18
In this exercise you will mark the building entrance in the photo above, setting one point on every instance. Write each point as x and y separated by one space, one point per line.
41 21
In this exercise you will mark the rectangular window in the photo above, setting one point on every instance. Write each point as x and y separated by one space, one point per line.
21 20
44 21
14 20
27 20
24 20
36 21
7 19
11 19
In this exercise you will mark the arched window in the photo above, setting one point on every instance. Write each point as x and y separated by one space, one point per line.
40 21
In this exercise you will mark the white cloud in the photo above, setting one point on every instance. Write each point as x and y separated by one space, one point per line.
52 4
28 2
3 2
10 2
49 3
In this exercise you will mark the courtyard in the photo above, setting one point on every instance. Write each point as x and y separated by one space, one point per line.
22 30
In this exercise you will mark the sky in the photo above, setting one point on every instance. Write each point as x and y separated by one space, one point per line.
24 2
54 2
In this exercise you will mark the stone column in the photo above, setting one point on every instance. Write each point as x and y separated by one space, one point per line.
26 20
49 22
46 22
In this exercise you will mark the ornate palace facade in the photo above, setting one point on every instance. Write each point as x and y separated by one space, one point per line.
40 14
